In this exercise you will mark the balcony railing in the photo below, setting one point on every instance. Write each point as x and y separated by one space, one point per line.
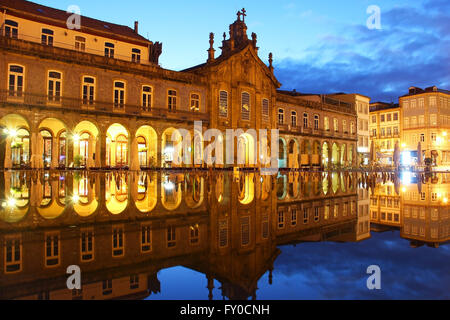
315 132
76 105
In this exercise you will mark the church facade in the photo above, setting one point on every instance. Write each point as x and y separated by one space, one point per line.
96 97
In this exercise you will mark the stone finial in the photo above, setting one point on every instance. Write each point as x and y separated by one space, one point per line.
211 50
254 39
271 61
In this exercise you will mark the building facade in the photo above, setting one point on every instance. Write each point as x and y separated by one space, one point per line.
385 131
426 120
96 97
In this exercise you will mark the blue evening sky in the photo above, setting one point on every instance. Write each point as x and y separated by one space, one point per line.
319 46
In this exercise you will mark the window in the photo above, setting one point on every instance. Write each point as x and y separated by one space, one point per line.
395 131
432 101
336 125
87 245
305 215
433 119
13 254
134 282
316 122
47 37
280 219
352 128
11 29
382 118
109 50
344 126
118 242
223 104
136 55
171 237
305 121
54 86
374 119
421 120
119 94
294 119
406 122
245 107
147 98
172 100
80 43
223 233
107 287
374 132
16 81
433 137
280 116
194 234
326 123
265 108
316 214
396 116
383 132
195 102
389 117
265 226
422 137
52 250
389 131
88 90
293 217
245 231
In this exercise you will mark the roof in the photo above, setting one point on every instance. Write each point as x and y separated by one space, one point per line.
416 90
377 106
30 10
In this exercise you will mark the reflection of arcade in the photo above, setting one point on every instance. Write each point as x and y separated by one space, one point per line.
122 229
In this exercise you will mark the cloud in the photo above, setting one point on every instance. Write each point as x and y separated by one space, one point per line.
410 50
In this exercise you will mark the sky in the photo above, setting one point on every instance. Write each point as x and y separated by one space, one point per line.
319 46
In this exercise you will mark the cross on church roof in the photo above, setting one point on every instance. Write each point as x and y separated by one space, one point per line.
242 13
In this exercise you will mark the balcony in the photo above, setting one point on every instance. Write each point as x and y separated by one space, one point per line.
26 99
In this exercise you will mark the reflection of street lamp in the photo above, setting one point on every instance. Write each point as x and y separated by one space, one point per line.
11 133
76 137
75 198
11 202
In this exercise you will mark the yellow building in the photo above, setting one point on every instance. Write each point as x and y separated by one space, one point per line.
385 130
426 119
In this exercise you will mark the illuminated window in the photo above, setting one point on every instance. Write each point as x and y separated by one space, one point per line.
293 217
52 249
305 121
280 116
294 119
336 125
432 101
54 86
88 90
326 123
11 29
223 104
136 55
245 231
344 126
280 219
13 254
305 215
80 43
316 122
47 37
194 234
352 128
109 50
195 102
223 233
16 80
119 94
245 106
316 214
147 92
107 287
172 100
146 238
87 245
134 282
118 248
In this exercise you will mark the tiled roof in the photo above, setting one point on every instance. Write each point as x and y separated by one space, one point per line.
27 9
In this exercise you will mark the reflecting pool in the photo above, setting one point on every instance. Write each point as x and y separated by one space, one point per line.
224 235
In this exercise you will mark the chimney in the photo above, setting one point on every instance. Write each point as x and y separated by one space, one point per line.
136 26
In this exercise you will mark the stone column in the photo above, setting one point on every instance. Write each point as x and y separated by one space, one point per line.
101 140
8 162
33 157
98 151
134 155
55 152
90 160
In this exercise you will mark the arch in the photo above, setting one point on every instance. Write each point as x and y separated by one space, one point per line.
246 154
281 186
316 154
246 188
84 198
294 150
194 191
116 193
335 182
282 153
171 194
117 146
147 146
85 144
171 155
16 150
326 154
343 160
147 192
351 155
335 154
305 151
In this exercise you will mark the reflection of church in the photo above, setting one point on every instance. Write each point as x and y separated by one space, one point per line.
121 229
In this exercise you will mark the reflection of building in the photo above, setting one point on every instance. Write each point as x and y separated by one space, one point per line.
385 130
96 97
121 229
362 108
419 209
426 119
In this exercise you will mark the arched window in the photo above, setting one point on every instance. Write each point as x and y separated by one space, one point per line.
54 86
119 94
326 123
316 122
223 104
143 150
16 80
121 151
294 119
265 108
245 106
147 93
11 29
47 37
109 50
172 100
305 120
88 90
280 116
195 102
